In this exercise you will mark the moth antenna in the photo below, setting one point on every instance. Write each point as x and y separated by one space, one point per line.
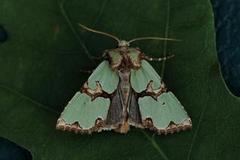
153 38
99 32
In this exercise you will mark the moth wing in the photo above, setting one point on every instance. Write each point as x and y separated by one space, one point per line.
105 76
135 56
166 114
83 114
134 116
115 57
115 115
142 76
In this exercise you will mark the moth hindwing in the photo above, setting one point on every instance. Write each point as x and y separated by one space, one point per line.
123 91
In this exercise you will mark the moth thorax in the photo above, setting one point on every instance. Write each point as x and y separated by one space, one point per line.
123 43
124 74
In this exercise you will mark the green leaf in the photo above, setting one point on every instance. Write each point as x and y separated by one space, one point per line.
40 70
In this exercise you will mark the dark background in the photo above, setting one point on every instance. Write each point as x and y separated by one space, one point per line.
227 20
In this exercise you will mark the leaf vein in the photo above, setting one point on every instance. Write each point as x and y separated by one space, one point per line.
166 36
155 145
28 98
65 15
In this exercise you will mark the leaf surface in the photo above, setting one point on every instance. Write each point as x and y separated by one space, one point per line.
40 70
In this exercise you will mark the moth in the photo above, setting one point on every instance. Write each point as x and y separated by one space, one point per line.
123 91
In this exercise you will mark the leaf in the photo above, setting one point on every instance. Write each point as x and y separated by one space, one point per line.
40 71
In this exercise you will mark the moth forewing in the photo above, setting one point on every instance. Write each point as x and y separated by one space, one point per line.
82 115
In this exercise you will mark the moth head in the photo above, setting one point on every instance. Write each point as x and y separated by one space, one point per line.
123 43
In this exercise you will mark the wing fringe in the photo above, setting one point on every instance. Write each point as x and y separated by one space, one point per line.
75 127
172 127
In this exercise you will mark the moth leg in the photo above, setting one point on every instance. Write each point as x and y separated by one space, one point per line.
153 92
86 71
102 57
91 70
94 93
159 59
97 57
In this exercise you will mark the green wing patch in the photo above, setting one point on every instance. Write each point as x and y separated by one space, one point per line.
106 76
142 76
85 111
163 111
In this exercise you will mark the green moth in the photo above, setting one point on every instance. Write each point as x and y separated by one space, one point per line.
123 91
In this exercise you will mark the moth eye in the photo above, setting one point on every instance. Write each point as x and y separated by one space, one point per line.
163 103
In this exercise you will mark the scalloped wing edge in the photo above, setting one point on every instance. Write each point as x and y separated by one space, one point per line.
172 127
100 126
75 127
